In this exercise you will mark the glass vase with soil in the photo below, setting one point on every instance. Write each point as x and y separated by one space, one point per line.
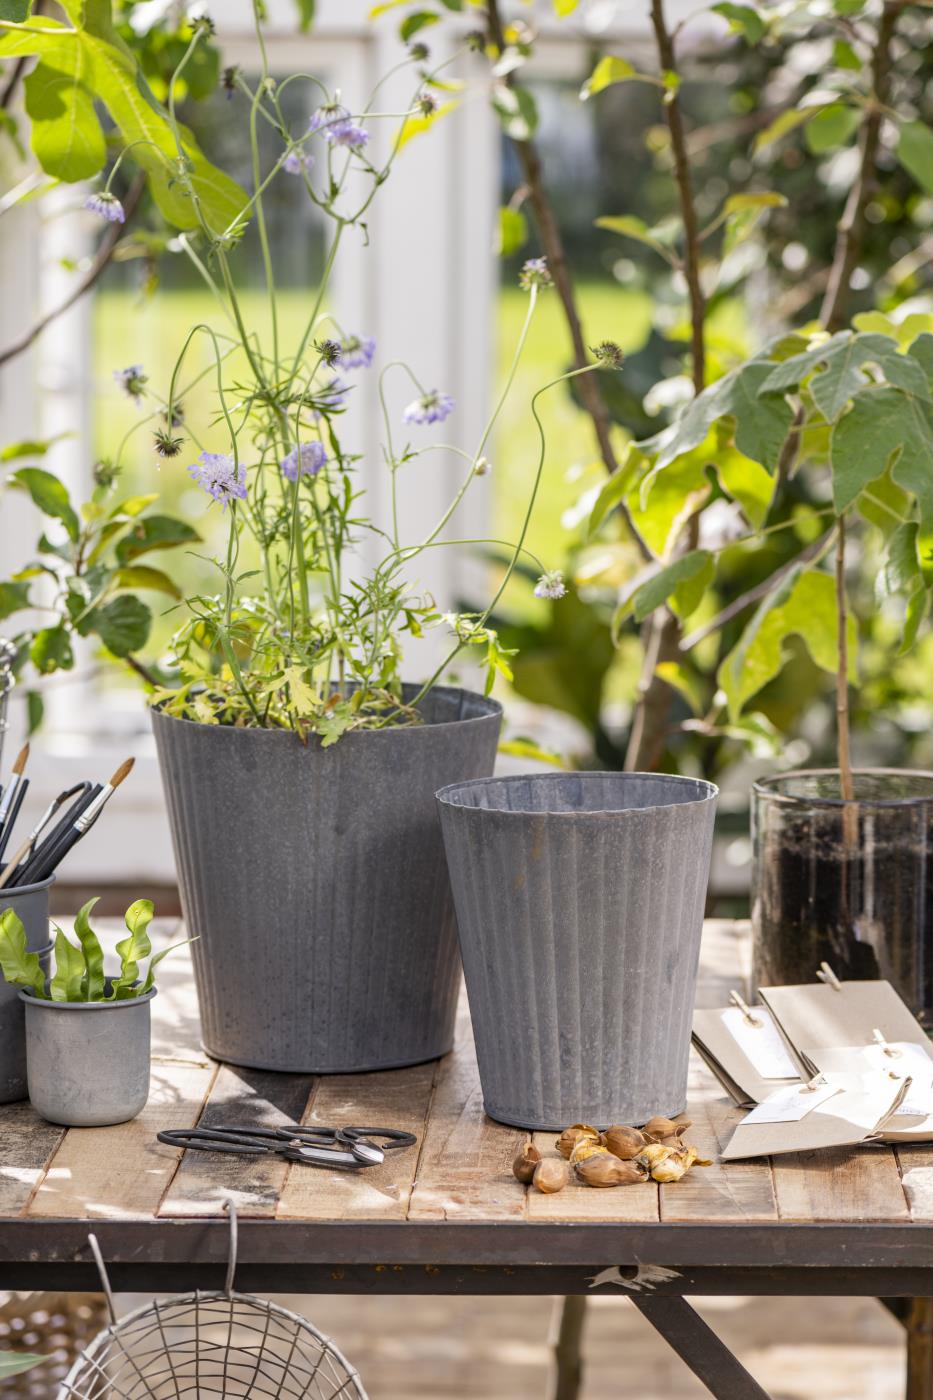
848 882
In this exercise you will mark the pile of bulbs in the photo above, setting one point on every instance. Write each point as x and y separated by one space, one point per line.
618 1157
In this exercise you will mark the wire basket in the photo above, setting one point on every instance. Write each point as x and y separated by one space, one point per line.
204 1345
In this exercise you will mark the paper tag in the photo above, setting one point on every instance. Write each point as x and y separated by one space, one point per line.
918 1101
790 1103
906 1059
762 1043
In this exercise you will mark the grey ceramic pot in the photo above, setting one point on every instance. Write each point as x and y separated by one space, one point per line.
88 1061
31 903
580 900
314 880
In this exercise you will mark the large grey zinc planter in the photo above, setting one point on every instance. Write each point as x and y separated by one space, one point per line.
31 904
580 901
315 882
88 1061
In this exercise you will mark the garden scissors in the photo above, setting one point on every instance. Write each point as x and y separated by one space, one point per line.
348 1149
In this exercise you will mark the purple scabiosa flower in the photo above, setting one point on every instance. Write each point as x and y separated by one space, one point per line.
298 162
551 585
534 274
426 103
330 114
107 206
346 134
333 394
357 351
220 477
132 380
306 460
430 408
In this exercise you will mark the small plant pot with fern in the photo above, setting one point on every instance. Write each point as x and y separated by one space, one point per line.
83 1072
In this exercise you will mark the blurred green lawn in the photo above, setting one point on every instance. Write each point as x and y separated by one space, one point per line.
150 332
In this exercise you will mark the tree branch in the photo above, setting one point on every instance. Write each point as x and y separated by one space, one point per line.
850 232
661 634
102 260
553 245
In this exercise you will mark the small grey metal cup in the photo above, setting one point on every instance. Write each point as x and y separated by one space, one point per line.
580 901
31 904
88 1061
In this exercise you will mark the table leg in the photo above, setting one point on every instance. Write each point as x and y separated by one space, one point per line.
567 1348
699 1348
919 1324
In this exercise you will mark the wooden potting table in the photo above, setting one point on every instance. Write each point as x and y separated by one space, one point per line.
448 1216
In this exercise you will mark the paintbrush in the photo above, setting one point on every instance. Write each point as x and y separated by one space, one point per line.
22 856
78 828
13 797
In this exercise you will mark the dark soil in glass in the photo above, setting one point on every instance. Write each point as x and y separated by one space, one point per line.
854 890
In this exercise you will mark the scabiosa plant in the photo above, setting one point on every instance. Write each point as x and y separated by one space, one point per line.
298 162
306 637
133 380
551 585
347 133
535 273
220 476
356 352
107 206
306 460
429 408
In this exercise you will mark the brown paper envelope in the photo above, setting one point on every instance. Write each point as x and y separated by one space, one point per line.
817 1017
845 1120
711 1036
738 1095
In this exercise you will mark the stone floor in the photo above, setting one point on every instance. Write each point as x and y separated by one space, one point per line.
497 1349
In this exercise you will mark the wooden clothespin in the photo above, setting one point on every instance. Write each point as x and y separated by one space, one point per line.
746 1010
889 1050
825 974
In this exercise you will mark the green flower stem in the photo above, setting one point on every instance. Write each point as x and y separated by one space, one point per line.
519 546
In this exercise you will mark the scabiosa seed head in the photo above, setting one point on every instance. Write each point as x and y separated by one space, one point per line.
476 41
609 355
228 80
107 206
348 134
328 115
551 585
483 466
306 460
298 162
132 380
105 473
426 103
330 351
220 477
534 274
203 25
166 444
357 351
429 408
177 415
419 52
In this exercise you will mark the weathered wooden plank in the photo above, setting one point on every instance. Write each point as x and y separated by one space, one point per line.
393 1099
723 1191
247 1098
915 1161
725 961
857 1183
27 1144
123 1172
465 1170
616 1203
